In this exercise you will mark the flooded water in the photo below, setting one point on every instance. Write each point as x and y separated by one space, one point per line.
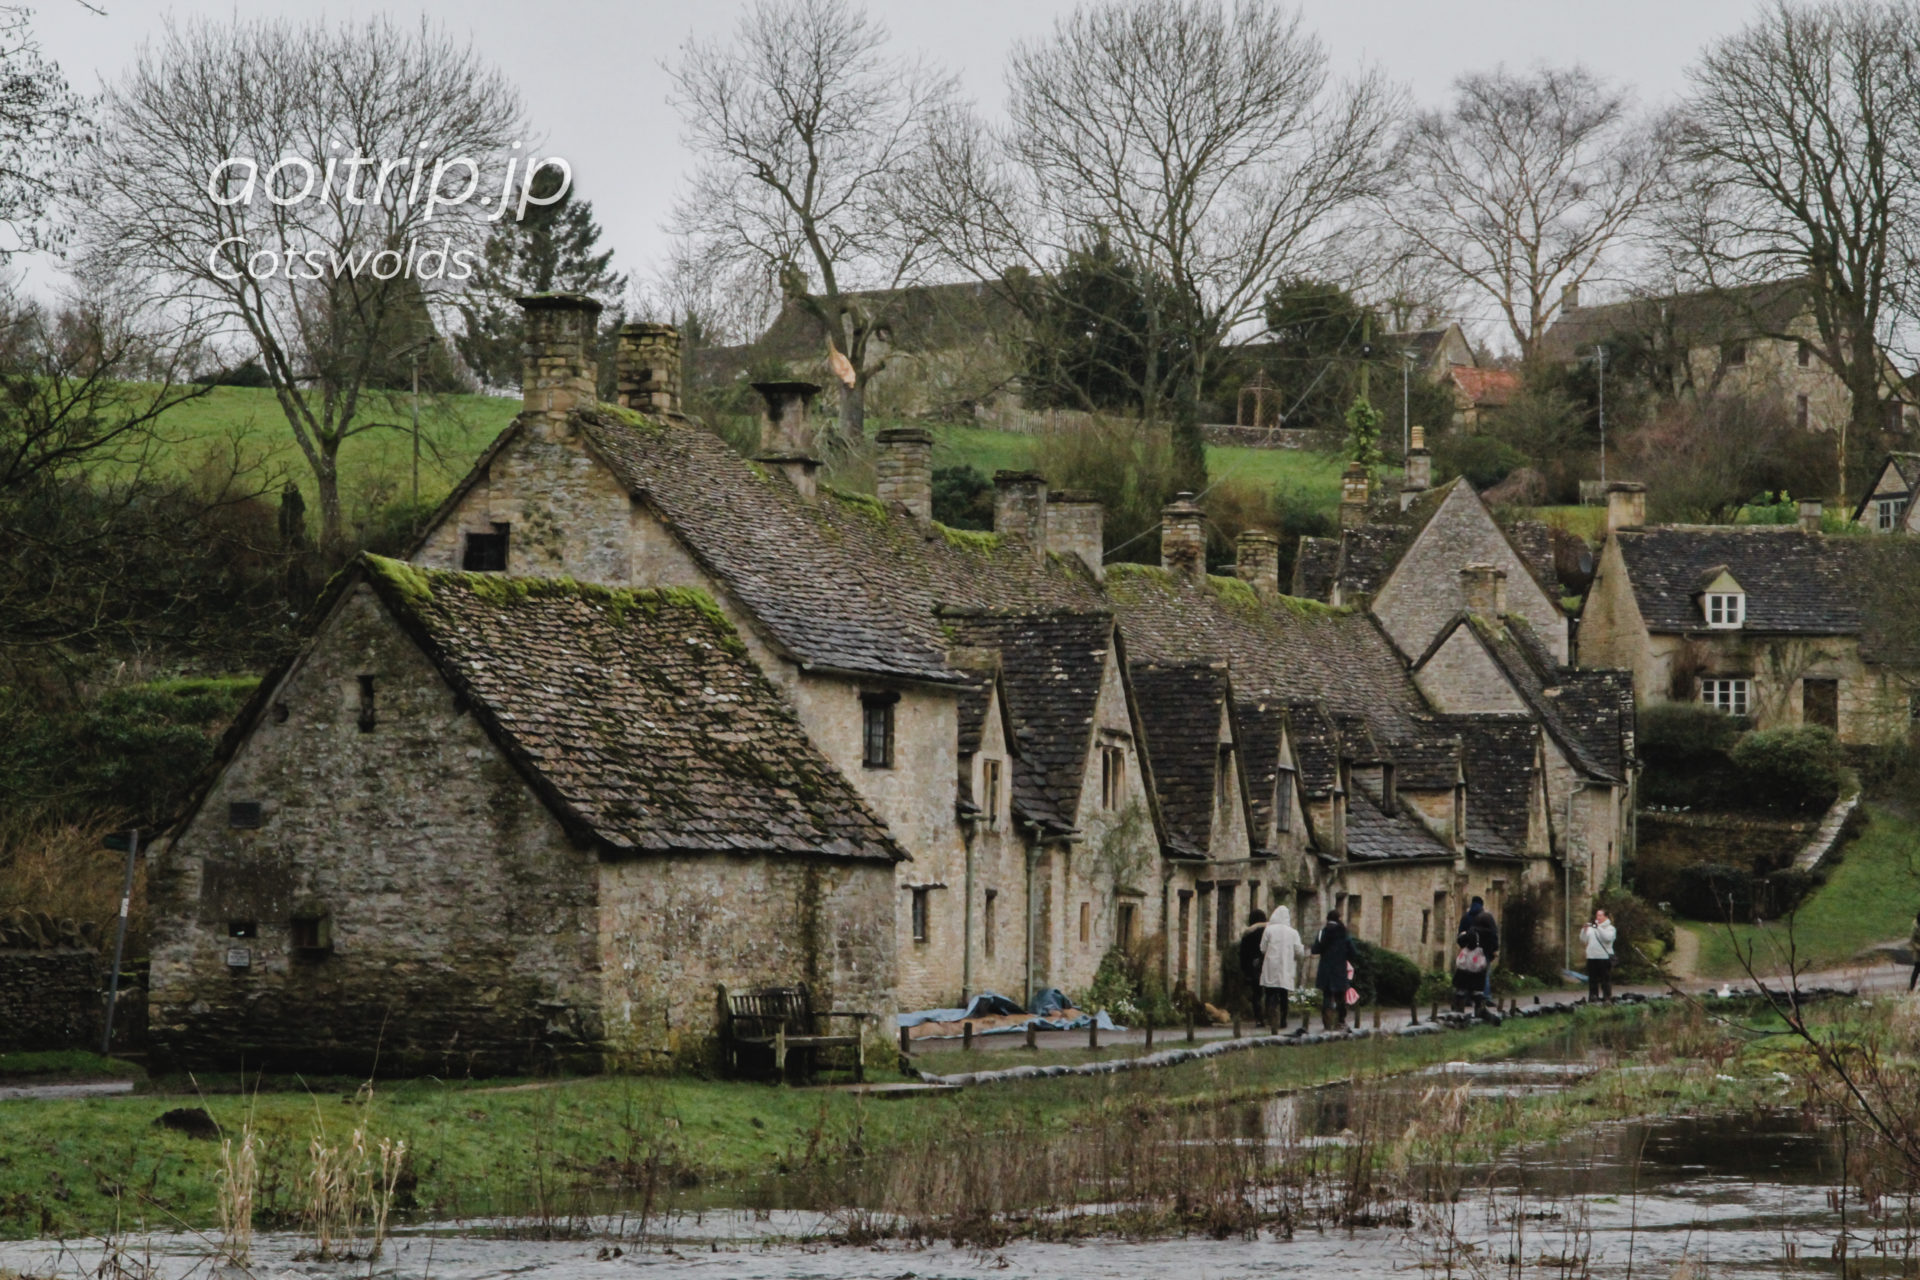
1733 1195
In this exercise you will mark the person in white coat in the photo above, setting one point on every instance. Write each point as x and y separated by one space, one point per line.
1281 952
1599 936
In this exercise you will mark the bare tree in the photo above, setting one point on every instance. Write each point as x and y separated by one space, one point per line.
297 182
1523 185
1207 144
1802 154
804 123
716 303
42 127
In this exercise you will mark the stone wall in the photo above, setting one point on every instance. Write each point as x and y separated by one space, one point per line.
673 929
50 998
461 918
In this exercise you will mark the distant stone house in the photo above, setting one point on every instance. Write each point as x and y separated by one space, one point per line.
1755 340
1480 396
1888 506
483 825
1772 623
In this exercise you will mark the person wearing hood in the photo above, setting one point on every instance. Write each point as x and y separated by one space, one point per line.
1334 977
1281 952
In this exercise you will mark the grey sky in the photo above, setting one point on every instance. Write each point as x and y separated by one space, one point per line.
591 69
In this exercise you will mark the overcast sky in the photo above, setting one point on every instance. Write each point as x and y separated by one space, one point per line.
591 69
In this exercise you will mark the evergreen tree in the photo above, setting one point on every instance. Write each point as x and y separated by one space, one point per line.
1318 332
1099 336
552 250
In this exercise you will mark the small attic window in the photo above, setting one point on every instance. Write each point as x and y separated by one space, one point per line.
487 552
1725 609
1734 353
244 814
1886 514
310 933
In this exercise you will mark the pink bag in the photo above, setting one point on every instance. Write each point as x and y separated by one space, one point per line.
1353 992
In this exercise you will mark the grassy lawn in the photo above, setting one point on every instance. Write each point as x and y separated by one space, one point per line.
72 1165
1870 897
375 468
62 1064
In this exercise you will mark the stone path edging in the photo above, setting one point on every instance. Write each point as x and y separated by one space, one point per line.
1827 834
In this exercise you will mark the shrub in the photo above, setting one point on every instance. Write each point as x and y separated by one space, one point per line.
1714 891
1384 977
1482 459
1684 734
1637 924
1127 985
1798 769
962 498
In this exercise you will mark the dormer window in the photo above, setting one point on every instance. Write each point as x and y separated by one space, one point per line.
1725 609
1886 514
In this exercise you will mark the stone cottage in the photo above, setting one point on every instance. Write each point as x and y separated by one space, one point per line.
484 824
1776 623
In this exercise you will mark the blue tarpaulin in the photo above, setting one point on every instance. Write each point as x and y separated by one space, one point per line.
1049 1005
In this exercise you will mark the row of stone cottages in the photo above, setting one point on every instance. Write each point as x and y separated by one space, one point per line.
641 716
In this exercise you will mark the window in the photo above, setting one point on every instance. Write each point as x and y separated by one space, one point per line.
988 919
920 913
876 713
990 789
1734 353
242 929
486 552
1186 933
1222 781
244 814
1805 354
311 933
1226 930
1113 777
1895 415
1128 920
1353 914
1820 703
366 719
1426 926
1386 920
1802 412
1729 696
1086 922
1726 609
1283 802
1886 514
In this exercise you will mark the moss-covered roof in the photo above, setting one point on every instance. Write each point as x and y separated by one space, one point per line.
636 714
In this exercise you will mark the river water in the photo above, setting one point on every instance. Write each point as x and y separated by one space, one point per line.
1747 1194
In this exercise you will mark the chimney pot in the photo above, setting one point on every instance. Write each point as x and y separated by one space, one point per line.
559 372
1485 587
1811 512
1419 469
1354 486
1020 509
903 470
786 439
1183 538
1626 505
647 368
1076 526
1256 561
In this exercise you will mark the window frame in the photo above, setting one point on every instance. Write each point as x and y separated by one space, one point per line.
495 544
1886 514
1113 776
878 708
1730 606
1729 695
921 912
310 933
990 779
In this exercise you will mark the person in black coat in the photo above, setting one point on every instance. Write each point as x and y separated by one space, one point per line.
1334 946
1250 956
1478 932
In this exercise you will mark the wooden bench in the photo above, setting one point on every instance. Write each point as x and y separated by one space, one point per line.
761 1028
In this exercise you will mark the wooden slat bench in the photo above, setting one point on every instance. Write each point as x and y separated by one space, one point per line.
777 1021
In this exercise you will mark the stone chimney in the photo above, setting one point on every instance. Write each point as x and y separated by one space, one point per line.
1256 562
786 438
1485 587
1020 509
1353 496
1569 298
1626 505
1183 538
903 469
647 368
1076 526
1419 469
559 373
1811 511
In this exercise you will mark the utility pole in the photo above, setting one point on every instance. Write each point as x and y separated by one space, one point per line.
131 842
1406 403
416 435
1600 357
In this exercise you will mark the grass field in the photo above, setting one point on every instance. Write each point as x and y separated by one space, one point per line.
1869 898
78 1165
